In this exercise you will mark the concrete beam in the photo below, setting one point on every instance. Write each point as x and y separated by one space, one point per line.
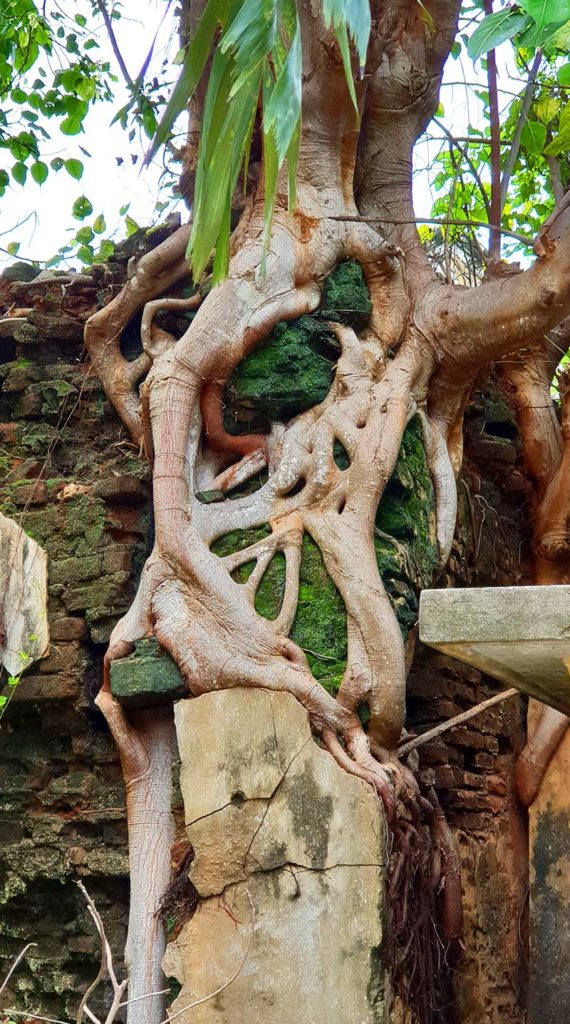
519 635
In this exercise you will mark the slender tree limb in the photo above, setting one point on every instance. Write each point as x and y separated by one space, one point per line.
514 150
495 125
114 43
440 221
406 748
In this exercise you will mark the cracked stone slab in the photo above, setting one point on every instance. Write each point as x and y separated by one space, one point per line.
519 635
250 770
24 635
289 861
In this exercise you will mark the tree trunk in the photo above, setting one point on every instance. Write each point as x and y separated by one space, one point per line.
424 344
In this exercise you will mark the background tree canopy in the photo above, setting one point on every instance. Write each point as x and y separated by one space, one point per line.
54 66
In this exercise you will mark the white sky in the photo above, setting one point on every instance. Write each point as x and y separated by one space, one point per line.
110 186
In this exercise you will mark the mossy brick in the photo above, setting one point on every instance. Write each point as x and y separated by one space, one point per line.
17 376
288 373
76 570
27 334
102 621
54 395
107 590
20 271
38 438
60 327
147 678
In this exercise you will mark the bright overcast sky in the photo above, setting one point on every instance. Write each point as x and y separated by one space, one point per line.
110 185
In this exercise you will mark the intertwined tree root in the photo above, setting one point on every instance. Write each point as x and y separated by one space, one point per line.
188 597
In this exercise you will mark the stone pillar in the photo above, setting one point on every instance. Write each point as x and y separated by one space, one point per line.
549 822
290 867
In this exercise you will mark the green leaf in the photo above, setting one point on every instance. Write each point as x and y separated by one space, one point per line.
494 30
85 254
84 235
19 172
57 163
283 111
39 171
99 225
546 13
149 121
82 208
192 69
560 144
292 161
563 75
342 40
533 136
131 226
106 249
74 168
86 88
12 248
547 108
270 179
565 117
71 125
355 16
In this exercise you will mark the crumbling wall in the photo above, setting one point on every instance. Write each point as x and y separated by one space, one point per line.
70 475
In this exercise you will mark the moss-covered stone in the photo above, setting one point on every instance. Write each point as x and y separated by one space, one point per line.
293 369
147 678
289 373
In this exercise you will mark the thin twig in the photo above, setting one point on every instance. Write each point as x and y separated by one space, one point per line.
431 734
465 154
15 964
434 220
34 1016
114 43
513 153
147 995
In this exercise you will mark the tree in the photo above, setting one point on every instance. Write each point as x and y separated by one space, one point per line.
342 93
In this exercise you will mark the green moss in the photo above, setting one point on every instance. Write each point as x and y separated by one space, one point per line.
237 540
407 513
345 296
320 622
38 438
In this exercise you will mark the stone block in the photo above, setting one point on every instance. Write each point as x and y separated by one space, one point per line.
290 866
24 634
147 678
519 635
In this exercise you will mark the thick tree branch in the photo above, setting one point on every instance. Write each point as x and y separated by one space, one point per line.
414 41
473 327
